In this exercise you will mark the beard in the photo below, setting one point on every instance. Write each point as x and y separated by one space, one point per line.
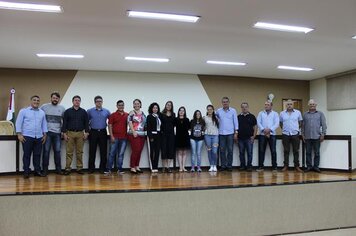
54 103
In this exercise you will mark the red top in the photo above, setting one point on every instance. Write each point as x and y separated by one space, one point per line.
119 124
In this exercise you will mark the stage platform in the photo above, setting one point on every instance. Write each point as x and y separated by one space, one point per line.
15 184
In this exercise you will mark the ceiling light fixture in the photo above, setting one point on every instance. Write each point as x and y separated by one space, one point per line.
30 7
227 63
147 59
288 28
163 16
60 55
294 68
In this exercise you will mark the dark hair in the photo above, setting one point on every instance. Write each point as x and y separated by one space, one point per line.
213 116
34 96
120 101
185 112
98 97
76 96
150 108
195 118
55 94
137 100
165 110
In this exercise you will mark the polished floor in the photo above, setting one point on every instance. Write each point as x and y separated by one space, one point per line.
75 183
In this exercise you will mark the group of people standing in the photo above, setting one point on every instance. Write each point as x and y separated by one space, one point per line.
169 135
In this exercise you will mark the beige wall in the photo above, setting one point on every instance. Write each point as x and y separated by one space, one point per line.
29 82
254 91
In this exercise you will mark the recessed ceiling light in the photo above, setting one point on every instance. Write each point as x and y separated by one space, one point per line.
60 55
294 68
30 7
354 37
163 16
227 63
288 28
147 59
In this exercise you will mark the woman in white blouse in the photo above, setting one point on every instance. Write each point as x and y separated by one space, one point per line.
211 136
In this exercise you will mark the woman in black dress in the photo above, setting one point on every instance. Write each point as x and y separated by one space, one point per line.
182 137
168 139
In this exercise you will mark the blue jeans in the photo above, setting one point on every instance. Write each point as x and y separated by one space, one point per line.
245 145
32 146
53 140
196 146
309 145
212 144
262 145
116 149
226 143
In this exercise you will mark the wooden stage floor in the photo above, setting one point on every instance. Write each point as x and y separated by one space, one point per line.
98 183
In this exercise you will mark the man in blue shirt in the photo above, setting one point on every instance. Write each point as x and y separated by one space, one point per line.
291 120
31 129
228 131
267 122
98 117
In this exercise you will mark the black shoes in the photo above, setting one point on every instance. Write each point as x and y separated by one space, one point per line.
38 173
316 169
26 175
66 172
80 172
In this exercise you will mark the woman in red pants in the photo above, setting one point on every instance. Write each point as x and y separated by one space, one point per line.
136 135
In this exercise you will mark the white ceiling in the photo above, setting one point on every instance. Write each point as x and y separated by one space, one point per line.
102 32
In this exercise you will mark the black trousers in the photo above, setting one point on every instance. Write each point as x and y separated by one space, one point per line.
168 146
287 141
155 146
98 137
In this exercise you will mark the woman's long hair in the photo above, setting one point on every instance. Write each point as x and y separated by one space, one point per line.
213 116
165 109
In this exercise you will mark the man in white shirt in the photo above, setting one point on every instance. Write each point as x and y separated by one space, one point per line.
267 122
290 121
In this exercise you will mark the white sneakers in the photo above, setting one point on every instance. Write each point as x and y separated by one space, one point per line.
213 169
